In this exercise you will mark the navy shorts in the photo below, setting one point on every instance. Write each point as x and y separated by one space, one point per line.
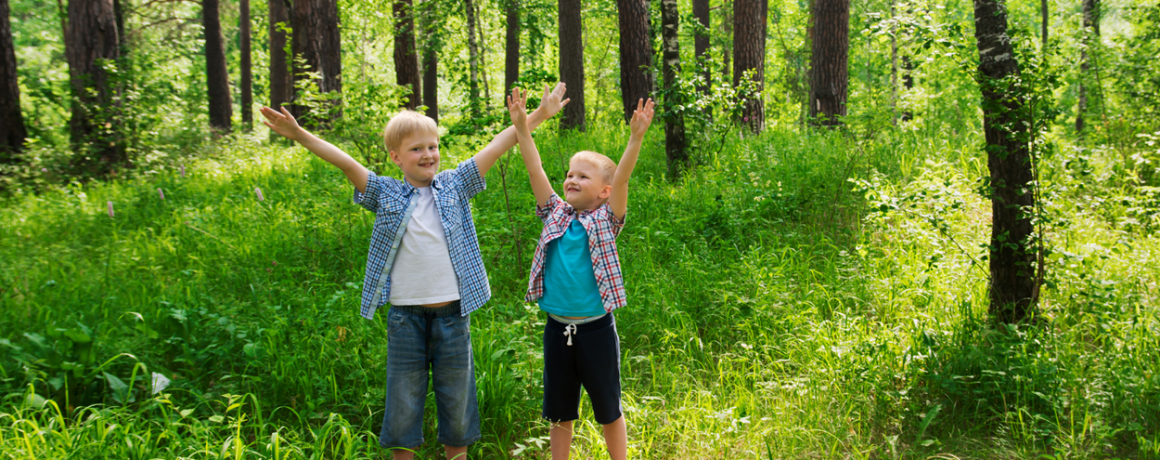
591 361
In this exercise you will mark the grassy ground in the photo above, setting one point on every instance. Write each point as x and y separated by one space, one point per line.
796 296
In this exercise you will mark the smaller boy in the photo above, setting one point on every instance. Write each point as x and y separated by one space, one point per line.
576 278
424 259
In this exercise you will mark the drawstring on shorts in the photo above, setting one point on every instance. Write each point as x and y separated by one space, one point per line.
569 331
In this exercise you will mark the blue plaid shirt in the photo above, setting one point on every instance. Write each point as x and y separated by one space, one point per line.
393 201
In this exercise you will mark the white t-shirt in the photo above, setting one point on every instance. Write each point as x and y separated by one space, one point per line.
422 273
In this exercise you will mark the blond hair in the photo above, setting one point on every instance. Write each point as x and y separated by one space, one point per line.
606 166
406 123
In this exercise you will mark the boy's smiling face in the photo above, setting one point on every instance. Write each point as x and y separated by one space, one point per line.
584 187
418 156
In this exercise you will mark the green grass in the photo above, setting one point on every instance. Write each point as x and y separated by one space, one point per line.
774 310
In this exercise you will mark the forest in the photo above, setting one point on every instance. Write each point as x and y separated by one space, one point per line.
873 229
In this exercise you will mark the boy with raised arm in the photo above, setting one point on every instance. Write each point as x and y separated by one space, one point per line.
424 259
576 278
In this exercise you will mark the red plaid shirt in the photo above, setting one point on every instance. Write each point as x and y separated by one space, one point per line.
602 227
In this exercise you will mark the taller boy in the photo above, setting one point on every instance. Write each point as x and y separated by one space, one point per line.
424 259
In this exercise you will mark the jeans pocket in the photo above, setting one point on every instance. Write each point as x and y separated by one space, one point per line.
395 322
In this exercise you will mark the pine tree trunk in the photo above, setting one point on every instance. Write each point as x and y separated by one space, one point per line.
1043 32
91 38
701 43
511 67
675 154
1013 293
1089 35
406 61
432 42
317 41
281 84
12 131
572 63
216 75
247 67
830 75
473 60
636 54
749 56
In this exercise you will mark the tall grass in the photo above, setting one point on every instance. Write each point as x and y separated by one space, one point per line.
776 310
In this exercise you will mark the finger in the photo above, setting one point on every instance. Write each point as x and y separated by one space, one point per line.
546 91
561 88
287 113
639 103
565 102
268 124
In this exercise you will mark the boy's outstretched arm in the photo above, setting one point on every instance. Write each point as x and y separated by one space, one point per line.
284 124
641 119
517 106
550 105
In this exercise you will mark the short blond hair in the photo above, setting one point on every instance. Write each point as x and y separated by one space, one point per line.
606 166
406 123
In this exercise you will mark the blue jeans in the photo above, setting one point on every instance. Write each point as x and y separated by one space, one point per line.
436 340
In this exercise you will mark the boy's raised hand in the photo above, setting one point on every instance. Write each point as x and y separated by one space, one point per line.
518 107
553 100
282 123
642 117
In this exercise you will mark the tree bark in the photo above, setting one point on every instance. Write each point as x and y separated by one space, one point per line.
12 130
701 42
281 83
247 67
675 154
406 60
511 67
749 56
316 40
432 42
216 75
473 60
1013 291
830 71
91 38
1089 34
571 38
727 49
1043 31
636 54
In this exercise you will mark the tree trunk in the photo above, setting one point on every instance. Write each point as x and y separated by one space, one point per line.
216 75
675 154
281 84
91 38
432 42
511 67
1013 292
749 56
247 77
406 61
316 40
473 60
893 65
1043 32
701 42
830 75
1089 35
636 57
572 63
12 131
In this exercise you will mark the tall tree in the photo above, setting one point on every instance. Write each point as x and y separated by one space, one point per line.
472 59
1090 35
636 54
727 48
432 43
511 67
406 61
701 41
1043 24
216 75
749 56
281 83
315 40
572 62
1013 289
12 131
675 154
246 70
829 70
91 38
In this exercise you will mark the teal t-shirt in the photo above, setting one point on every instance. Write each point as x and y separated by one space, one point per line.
569 282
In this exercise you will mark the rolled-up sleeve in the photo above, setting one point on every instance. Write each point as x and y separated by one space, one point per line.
544 212
370 198
469 180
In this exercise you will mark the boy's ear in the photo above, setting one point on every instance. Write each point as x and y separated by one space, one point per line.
394 157
605 192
